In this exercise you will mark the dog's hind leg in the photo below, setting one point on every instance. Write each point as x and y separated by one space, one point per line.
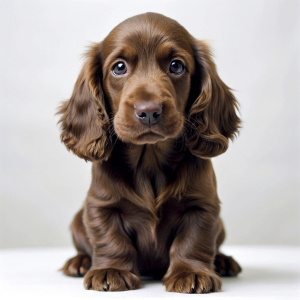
225 265
81 263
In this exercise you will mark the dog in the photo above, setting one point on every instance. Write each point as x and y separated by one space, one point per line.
149 110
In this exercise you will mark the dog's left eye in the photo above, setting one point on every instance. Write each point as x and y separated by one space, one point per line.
176 67
119 68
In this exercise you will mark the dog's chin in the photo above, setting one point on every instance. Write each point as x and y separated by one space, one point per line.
148 138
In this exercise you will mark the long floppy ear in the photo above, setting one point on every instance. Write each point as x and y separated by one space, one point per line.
213 112
84 120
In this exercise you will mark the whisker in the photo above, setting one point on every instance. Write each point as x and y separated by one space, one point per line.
184 140
111 130
190 123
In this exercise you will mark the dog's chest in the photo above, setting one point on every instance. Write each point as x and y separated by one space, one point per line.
154 239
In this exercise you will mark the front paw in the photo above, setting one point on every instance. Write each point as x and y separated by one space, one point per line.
193 282
111 280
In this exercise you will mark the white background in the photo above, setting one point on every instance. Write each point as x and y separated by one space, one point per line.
256 48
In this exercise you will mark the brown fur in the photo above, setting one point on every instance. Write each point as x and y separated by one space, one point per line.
152 208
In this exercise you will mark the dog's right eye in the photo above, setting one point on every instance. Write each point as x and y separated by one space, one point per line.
119 68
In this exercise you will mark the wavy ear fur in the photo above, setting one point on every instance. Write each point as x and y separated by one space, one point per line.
84 120
213 113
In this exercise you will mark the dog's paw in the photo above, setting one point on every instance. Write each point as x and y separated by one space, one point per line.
193 282
111 280
226 265
77 266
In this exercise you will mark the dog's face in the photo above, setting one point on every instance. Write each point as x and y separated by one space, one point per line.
147 67
149 80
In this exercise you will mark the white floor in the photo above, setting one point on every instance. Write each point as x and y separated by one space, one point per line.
268 273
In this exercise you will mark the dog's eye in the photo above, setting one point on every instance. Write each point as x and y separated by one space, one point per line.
119 68
176 67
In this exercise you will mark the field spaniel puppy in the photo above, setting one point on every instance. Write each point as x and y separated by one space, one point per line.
149 110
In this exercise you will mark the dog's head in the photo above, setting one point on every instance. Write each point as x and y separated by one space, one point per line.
148 81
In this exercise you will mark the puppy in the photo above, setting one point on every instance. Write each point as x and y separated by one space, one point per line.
149 110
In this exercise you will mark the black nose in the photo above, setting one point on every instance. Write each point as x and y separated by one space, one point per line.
148 112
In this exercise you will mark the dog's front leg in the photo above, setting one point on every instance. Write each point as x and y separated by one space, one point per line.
114 256
192 255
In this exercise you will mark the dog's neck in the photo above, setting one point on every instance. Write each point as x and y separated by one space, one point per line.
151 164
152 157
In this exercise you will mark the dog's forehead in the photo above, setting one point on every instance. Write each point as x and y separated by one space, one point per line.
147 32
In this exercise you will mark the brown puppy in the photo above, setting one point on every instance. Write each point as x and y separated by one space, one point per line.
149 110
